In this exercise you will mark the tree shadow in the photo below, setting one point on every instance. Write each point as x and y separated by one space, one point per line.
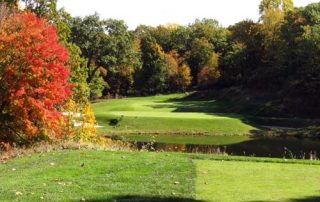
276 147
144 199
216 106
306 199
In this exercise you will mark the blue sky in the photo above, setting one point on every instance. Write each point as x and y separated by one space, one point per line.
155 12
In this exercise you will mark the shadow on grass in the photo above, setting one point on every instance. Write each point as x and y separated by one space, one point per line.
307 199
246 112
280 147
144 199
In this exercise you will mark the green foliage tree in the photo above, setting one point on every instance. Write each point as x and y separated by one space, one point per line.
274 64
124 57
152 76
42 8
198 56
301 31
88 34
243 55
210 30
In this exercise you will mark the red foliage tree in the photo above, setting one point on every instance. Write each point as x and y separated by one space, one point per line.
33 77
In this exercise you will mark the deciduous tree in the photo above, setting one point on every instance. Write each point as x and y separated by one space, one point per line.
33 78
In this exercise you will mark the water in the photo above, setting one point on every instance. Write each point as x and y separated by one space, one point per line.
280 147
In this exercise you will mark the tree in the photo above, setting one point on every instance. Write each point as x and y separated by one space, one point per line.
89 35
210 30
198 56
124 57
178 76
274 63
33 78
240 61
42 8
184 78
267 6
301 30
164 36
77 64
171 69
63 20
12 4
5 13
210 73
152 76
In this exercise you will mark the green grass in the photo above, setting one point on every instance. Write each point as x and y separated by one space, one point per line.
145 176
253 181
105 176
171 114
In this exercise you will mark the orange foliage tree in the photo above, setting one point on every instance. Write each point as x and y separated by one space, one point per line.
33 78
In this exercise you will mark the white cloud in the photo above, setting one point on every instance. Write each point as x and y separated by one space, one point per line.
155 12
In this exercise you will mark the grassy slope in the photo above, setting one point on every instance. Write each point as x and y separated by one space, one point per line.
169 114
109 176
105 176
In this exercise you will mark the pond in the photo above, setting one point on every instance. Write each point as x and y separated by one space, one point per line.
280 147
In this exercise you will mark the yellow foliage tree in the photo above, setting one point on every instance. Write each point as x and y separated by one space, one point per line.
178 73
79 123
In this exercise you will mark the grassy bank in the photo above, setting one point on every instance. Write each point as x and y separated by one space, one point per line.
97 176
142 176
171 114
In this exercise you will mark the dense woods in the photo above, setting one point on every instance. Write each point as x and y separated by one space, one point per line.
276 56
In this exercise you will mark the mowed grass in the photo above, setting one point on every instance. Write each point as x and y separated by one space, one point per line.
253 181
145 176
168 114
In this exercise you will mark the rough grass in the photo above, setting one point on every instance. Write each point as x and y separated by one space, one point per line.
172 114
145 176
97 176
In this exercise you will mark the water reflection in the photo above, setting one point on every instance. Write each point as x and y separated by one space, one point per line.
281 147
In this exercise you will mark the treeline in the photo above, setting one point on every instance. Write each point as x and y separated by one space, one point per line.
278 54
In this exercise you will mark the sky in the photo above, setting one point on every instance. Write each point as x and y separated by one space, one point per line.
156 12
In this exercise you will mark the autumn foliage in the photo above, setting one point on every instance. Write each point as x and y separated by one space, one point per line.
33 78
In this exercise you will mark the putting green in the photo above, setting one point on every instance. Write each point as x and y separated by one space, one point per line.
253 181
